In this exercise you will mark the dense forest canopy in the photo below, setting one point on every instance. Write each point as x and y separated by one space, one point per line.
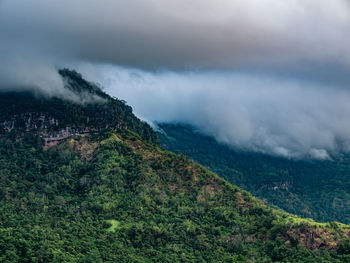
117 196
316 189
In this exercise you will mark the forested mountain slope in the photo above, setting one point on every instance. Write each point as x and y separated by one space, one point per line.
316 189
112 194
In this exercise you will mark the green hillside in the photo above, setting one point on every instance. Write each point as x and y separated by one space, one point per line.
116 196
316 189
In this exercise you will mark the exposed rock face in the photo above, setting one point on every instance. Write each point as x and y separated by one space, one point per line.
48 128
55 119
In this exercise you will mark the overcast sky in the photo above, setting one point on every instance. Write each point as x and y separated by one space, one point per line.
263 75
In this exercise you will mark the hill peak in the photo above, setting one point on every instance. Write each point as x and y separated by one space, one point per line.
74 82
82 110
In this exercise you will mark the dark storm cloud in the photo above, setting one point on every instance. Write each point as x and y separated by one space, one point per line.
181 34
292 55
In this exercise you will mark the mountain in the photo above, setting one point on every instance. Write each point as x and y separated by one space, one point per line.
316 189
88 182
84 109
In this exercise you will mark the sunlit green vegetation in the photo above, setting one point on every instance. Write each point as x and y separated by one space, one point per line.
114 225
128 200
135 202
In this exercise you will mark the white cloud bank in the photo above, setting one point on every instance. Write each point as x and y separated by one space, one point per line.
259 113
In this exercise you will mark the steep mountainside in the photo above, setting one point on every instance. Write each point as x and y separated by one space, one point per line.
113 195
316 189
54 119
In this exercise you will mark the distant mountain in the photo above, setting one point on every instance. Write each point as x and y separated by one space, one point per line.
316 189
88 182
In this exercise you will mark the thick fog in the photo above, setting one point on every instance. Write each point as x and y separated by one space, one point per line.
262 75
279 116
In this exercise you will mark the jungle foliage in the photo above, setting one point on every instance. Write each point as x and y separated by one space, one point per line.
316 189
117 196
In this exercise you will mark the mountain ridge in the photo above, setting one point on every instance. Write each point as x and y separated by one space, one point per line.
117 196
55 119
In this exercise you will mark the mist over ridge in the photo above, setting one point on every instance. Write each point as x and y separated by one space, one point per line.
278 116
260 75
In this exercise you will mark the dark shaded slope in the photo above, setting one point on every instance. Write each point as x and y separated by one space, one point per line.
316 189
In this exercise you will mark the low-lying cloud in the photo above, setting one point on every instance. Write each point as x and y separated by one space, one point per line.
33 73
258 113
263 75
